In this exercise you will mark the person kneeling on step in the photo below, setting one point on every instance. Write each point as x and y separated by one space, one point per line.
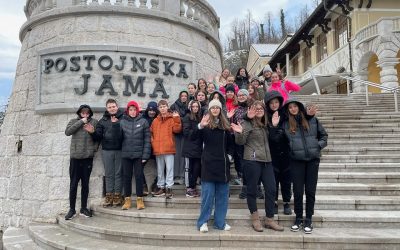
136 150
257 164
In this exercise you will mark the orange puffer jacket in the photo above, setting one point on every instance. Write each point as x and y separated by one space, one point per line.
162 134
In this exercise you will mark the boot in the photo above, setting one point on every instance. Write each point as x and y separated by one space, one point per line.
108 200
139 203
127 203
255 221
271 223
117 200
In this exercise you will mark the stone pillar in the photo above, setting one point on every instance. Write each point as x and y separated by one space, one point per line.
288 73
359 87
330 38
389 72
313 54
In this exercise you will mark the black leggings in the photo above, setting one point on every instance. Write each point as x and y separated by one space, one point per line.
282 177
128 167
254 171
79 169
305 176
194 171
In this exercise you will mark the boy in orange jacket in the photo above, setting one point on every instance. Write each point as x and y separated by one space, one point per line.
163 128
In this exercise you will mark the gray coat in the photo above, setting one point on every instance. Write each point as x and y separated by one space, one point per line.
255 141
307 145
82 144
136 138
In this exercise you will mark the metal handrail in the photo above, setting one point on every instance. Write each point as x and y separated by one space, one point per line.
394 90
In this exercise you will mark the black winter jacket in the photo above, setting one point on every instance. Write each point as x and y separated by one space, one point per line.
108 132
136 138
242 81
180 107
192 147
215 165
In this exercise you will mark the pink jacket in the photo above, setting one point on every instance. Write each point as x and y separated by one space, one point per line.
289 87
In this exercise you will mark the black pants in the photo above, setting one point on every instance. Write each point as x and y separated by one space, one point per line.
304 176
194 171
129 167
238 158
282 177
79 170
254 171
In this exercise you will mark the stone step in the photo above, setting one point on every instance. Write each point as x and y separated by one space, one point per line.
357 116
237 238
353 177
361 126
380 158
360 122
326 188
17 239
360 167
104 218
358 150
363 136
359 143
323 202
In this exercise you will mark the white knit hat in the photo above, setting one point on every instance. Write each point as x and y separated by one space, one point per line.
214 103
267 68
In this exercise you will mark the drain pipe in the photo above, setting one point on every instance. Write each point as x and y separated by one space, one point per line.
349 34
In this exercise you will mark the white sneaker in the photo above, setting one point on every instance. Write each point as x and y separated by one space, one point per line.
204 228
227 227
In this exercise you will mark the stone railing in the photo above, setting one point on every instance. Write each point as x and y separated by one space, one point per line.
199 12
380 27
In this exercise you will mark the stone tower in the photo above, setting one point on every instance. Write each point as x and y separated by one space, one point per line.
86 51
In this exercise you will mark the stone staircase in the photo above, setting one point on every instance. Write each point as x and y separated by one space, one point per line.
357 203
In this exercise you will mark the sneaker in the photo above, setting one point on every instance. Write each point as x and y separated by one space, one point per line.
297 225
236 182
179 180
196 193
227 227
276 208
190 193
286 209
159 192
85 212
260 193
308 227
169 194
71 214
204 228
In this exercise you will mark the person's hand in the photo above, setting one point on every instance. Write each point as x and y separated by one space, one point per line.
251 112
237 128
231 113
312 110
260 86
84 119
88 128
275 119
278 71
205 121
114 119
175 114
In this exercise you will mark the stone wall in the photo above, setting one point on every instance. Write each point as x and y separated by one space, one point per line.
34 181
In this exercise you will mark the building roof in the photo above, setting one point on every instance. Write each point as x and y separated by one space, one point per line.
265 49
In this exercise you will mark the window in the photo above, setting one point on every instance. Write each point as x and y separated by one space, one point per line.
322 47
340 32
307 58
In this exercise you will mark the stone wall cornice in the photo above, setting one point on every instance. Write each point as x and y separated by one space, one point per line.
117 11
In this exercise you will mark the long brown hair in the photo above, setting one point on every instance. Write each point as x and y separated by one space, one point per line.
220 122
194 116
293 122
259 122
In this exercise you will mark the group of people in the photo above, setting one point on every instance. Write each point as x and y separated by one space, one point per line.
271 138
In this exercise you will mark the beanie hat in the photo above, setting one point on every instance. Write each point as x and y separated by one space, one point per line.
229 87
130 104
214 103
244 92
267 68
152 106
255 79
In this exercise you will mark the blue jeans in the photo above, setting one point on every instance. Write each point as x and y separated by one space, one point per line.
210 192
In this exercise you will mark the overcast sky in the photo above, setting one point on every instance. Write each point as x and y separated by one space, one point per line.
12 17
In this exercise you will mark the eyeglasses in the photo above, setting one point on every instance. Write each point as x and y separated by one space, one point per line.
214 107
259 110
241 95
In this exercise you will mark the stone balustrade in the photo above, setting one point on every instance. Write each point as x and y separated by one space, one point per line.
198 12
367 33
377 28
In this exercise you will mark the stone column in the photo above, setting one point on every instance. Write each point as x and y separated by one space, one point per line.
330 38
389 72
359 87
288 73
313 54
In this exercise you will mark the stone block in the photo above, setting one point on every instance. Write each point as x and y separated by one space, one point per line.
96 187
48 123
114 24
59 189
61 144
5 166
15 187
3 187
36 164
65 166
7 128
55 166
86 23
39 144
50 209
18 166
30 208
66 26
35 187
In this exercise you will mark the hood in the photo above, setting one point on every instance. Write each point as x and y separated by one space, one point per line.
132 103
293 100
83 107
221 96
271 95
